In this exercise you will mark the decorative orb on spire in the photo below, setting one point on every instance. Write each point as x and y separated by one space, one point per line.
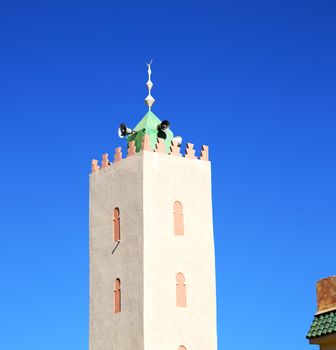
149 100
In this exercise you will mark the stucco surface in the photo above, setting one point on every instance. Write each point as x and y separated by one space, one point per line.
168 179
326 293
326 342
328 347
144 187
120 185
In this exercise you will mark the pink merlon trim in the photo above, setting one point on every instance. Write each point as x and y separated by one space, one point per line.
175 149
204 153
146 143
117 154
190 152
94 165
160 146
105 161
131 149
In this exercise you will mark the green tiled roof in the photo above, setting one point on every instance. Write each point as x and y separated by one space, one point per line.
148 125
322 325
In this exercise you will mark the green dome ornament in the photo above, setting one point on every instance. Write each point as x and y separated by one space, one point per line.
150 125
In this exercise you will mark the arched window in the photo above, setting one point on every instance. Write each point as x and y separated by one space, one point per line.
181 291
178 219
181 347
116 224
117 296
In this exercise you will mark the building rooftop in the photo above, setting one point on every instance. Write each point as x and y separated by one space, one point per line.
323 324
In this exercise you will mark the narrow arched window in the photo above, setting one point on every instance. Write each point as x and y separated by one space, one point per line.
116 224
178 219
182 348
181 291
117 296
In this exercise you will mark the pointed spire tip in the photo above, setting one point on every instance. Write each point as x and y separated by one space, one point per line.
149 100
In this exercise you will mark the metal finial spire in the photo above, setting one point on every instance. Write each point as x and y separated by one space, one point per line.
149 100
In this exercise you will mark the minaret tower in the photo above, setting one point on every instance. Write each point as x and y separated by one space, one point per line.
152 262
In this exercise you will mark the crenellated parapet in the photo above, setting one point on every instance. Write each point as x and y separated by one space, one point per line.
175 150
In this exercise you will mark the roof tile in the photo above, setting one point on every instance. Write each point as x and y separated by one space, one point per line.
322 325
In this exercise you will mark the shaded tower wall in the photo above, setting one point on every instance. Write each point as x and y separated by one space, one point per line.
121 186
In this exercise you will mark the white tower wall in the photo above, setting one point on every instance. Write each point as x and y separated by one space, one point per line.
144 188
168 179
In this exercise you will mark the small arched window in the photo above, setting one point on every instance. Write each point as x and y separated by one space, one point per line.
117 296
178 219
181 291
116 224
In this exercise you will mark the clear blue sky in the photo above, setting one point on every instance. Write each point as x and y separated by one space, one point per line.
255 80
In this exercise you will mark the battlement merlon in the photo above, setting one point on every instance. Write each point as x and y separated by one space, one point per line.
159 147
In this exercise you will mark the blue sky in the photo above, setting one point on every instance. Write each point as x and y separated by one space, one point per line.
255 80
